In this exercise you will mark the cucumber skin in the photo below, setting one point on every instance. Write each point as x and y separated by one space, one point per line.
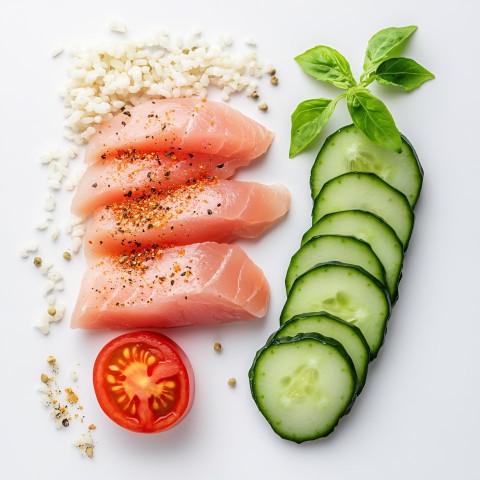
304 336
331 137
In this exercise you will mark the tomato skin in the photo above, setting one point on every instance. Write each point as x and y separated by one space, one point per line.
144 381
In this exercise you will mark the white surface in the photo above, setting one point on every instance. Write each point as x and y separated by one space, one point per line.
418 415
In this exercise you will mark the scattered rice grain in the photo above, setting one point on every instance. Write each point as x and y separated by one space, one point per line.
41 225
55 275
50 203
76 244
27 248
85 444
48 287
118 26
54 233
46 266
56 51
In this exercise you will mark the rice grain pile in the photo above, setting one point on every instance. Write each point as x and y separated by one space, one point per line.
104 79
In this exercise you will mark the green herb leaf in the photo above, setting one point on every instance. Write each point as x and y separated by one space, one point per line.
402 72
381 45
327 65
372 117
308 119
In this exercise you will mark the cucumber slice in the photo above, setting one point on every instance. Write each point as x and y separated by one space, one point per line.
303 385
371 229
346 291
328 325
349 150
338 248
367 192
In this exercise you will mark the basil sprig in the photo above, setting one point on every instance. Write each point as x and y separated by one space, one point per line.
369 113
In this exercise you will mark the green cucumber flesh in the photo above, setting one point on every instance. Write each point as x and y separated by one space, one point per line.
349 150
338 248
346 291
330 326
371 229
366 192
303 385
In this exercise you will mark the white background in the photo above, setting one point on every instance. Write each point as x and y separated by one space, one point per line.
418 415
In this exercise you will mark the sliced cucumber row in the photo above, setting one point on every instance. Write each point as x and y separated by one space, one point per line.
341 285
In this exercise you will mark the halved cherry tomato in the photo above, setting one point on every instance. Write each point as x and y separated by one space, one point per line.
144 381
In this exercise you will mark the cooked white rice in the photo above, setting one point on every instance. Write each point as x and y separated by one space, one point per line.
107 77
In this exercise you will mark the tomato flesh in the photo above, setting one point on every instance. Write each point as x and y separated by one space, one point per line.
143 381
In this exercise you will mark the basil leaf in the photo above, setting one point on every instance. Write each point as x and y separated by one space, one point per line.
381 45
308 119
402 72
327 65
371 116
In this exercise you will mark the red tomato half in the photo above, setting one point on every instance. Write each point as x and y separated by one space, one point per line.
144 381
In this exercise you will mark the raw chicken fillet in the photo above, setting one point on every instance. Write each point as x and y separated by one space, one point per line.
203 283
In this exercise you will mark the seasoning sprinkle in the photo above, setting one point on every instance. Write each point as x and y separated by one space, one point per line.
72 397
